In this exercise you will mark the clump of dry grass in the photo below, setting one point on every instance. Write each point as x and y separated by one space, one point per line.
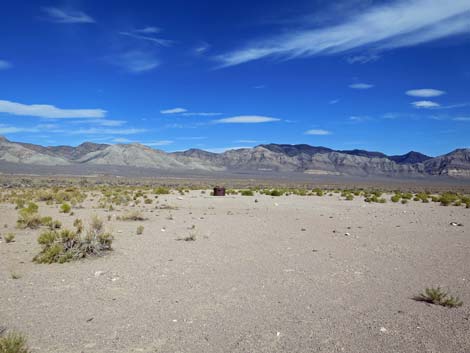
66 245
133 216
140 230
438 297
13 343
9 237
190 237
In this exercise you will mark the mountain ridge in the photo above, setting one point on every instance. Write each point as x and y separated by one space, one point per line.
272 157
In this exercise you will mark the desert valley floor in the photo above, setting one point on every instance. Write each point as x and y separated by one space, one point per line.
282 274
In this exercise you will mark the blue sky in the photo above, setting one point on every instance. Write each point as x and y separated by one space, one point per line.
390 75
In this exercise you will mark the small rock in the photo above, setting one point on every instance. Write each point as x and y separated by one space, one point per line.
383 329
99 273
453 224
347 234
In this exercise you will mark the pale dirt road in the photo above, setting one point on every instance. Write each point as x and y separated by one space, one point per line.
279 275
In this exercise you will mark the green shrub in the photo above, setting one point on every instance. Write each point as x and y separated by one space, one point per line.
65 208
438 297
247 193
140 230
404 201
9 237
276 193
13 343
395 198
66 245
161 191
448 198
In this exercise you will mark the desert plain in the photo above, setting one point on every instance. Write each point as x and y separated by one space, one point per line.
258 273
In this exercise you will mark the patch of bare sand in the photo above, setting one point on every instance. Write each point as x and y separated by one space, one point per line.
279 275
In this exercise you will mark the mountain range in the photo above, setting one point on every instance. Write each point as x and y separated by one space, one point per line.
300 158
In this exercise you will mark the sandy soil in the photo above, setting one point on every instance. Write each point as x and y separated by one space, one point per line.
279 275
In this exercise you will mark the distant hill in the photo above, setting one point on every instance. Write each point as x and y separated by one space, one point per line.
267 158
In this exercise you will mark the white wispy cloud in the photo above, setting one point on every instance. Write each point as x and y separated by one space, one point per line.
425 104
8 129
462 118
359 118
361 86
55 14
148 30
173 111
246 119
333 101
101 131
101 122
363 59
48 111
202 48
159 143
159 41
317 132
136 61
425 92
391 25
4 65
200 114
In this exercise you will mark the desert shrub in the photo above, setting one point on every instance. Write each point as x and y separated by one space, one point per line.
438 297
133 216
246 193
407 196
395 198
447 198
65 208
13 343
28 217
140 230
46 221
78 224
161 191
66 245
276 193
9 237
404 201
349 197
148 201
318 192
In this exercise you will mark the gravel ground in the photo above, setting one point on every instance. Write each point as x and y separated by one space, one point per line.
285 274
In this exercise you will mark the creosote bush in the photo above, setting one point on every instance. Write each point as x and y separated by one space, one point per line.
66 245
438 297
140 230
247 193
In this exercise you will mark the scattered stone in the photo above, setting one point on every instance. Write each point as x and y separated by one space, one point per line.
303 229
99 273
383 329
347 234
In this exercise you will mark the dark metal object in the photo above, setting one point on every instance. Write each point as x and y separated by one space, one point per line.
219 191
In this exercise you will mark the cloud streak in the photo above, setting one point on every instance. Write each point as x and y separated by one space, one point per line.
246 119
393 25
136 61
425 104
361 86
48 111
173 111
425 93
4 65
318 132
58 15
